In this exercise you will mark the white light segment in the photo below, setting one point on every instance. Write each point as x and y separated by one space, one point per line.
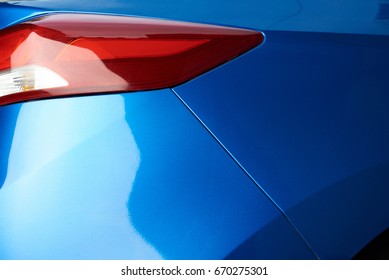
27 78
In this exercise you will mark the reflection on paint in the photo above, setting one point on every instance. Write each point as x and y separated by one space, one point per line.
78 188
57 201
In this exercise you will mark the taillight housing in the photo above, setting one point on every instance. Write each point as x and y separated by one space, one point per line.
73 54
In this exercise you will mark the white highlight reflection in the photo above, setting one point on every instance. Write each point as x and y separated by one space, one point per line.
71 169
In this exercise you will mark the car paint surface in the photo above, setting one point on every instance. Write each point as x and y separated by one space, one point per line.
348 16
122 177
307 116
283 145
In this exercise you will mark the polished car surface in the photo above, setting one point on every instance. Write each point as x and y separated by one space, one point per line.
280 153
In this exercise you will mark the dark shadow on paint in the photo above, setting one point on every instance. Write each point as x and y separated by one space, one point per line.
377 249
340 220
276 241
329 220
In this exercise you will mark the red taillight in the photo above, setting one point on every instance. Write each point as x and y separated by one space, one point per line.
72 54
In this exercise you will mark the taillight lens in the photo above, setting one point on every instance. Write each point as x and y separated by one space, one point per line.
73 54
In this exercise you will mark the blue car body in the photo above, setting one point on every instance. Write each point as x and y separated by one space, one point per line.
281 153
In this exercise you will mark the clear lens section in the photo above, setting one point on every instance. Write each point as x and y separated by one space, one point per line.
31 77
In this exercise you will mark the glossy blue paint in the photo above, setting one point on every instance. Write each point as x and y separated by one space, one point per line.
12 14
132 176
306 114
347 16
8 117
